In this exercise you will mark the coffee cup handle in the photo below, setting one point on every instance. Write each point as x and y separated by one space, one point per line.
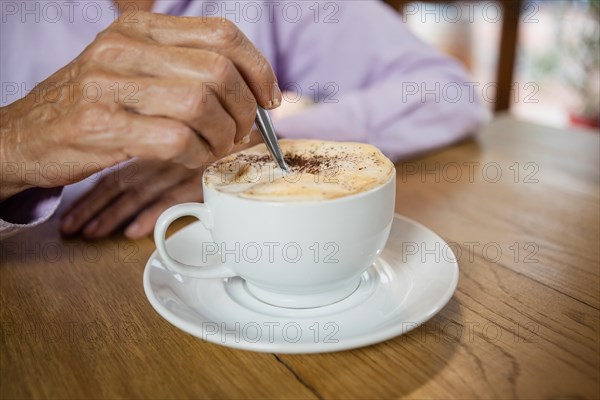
203 213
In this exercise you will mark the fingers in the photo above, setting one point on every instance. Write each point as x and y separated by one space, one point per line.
208 67
86 207
143 224
182 100
154 138
210 78
217 35
131 201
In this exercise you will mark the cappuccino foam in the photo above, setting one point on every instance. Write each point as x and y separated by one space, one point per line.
318 170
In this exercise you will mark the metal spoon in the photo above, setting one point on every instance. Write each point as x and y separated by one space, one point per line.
267 131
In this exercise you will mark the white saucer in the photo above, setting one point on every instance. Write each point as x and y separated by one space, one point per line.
413 279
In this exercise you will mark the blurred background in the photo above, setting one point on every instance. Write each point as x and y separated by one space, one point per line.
537 59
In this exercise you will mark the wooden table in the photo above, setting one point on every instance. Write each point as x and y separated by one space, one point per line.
520 204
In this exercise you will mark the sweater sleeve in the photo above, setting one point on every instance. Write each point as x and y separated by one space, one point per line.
27 209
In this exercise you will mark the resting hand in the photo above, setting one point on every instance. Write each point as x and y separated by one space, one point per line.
132 197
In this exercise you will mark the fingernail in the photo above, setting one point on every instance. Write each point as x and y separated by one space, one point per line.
66 225
246 139
269 105
277 96
132 230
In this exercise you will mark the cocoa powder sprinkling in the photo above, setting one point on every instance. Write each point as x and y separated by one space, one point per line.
313 164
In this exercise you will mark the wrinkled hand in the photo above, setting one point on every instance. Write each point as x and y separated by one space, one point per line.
158 87
133 198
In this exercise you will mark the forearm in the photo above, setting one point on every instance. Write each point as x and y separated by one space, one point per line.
402 114
393 90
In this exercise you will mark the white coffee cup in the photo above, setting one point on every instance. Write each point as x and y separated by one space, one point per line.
312 253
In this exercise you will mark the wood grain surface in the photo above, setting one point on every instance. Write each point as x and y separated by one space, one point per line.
519 204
